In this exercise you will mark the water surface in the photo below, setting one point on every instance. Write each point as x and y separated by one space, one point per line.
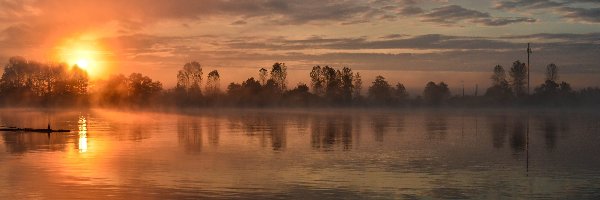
251 154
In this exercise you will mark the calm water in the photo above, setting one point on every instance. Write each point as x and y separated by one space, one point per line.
302 154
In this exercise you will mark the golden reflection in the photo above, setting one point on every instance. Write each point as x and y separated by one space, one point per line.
82 124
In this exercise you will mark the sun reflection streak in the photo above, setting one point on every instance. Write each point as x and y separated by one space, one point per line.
82 124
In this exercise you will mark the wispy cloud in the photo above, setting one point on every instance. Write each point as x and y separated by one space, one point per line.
571 9
453 14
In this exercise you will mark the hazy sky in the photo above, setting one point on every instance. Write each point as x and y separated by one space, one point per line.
411 41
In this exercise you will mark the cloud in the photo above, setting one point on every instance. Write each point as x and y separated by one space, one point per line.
571 9
411 10
591 38
423 42
532 4
453 14
393 36
591 15
239 22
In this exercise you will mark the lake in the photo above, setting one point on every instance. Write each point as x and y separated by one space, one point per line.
302 154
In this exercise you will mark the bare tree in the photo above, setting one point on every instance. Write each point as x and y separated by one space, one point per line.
518 74
499 76
279 75
357 85
262 76
212 82
552 72
190 76
317 82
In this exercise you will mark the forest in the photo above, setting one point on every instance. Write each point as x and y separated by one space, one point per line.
34 84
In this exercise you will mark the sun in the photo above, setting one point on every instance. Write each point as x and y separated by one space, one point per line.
83 63
84 54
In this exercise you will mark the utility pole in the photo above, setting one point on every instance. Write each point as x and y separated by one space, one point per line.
528 66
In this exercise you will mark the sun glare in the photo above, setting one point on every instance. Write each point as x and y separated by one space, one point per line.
85 54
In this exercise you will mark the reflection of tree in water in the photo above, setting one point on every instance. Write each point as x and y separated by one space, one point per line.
380 123
213 131
329 131
265 127
22 142
400 123
189 133
549 126
300 123
499 130
436 126
518 135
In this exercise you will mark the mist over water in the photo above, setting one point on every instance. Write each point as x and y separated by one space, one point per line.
301 154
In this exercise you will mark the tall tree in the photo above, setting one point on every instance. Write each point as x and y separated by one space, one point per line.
190 77
317 80
279 75
499 76
212 82
552 72
500 91
347 85
518 74
357 85
263 76
400 93
332 84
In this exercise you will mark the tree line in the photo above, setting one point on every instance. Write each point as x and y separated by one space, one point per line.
30 83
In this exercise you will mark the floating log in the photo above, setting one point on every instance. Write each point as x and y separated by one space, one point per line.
37 130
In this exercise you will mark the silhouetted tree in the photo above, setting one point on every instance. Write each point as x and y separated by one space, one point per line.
212 83
381 91
28 82
518 74
551 91
346 79
190 77
499 76
263 76
552 72
500 91
317 80
336 86
436 94
300 96
279 75
142 89
400 93
357 85
332 84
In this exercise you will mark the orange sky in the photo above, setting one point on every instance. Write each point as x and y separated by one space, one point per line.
408 41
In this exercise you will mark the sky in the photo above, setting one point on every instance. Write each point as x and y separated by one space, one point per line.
407 41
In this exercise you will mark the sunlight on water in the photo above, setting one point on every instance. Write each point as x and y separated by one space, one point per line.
82 125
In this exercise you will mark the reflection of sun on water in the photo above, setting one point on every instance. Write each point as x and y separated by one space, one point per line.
82 124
